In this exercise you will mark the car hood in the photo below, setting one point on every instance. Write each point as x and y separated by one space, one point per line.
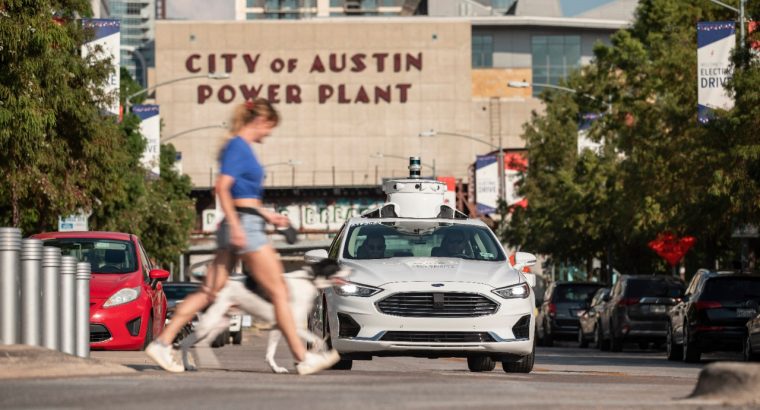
103 285
382 271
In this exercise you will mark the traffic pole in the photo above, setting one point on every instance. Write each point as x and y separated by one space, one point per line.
83 310
68 299
10 250
31 267
51 300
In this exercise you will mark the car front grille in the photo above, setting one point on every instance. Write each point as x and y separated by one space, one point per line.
434 304
437 337
99 333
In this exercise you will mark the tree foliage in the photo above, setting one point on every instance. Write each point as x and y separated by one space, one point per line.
660 170
60 154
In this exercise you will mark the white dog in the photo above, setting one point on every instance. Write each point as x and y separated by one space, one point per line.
303 286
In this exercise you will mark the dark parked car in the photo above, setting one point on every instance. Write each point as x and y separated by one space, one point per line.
752 342
713 315
558 314
637 310
589 319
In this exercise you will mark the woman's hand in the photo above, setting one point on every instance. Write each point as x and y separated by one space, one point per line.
278 220
237 236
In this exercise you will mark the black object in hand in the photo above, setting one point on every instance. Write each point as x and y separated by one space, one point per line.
290 234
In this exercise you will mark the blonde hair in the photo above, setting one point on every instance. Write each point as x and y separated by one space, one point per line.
247 112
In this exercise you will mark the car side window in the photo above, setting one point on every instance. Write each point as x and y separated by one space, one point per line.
146 265
693 284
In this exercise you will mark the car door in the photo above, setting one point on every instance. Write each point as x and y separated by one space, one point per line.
157 298
677 313
609 307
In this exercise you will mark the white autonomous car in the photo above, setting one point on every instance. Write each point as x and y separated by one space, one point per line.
426 282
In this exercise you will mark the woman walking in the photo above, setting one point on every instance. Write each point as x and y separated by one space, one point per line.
241 235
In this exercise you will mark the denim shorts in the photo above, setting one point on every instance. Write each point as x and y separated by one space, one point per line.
253 227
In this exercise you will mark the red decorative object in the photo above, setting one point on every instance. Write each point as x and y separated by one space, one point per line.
670 247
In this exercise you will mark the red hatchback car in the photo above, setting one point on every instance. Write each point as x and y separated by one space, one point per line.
127 301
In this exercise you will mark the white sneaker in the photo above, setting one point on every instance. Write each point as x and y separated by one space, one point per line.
164 357
316 362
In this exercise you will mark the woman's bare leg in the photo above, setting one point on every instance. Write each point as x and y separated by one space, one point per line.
216 277
266 268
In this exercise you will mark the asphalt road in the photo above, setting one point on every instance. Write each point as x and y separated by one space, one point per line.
563 376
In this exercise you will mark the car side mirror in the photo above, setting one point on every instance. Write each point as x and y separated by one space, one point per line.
158 275
523 259
315 256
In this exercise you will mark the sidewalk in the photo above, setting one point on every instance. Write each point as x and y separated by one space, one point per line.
25 362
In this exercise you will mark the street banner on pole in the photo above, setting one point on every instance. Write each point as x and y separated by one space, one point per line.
486 183
150 128
715 40
515 166
584 125
105 45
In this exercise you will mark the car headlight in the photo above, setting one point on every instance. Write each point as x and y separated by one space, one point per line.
355 289
519 291
123 296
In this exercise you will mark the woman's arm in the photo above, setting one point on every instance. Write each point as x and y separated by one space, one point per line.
224 191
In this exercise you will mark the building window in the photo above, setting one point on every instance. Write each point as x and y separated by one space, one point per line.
250 3
389 3
554 57
482 51
252 16
134 9
336 3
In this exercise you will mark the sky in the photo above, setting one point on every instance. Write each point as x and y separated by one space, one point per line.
200 9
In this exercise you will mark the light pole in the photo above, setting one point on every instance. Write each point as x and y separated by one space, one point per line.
525 84
499 156
740 10
380 155
292 163
212 76
222 125
143 65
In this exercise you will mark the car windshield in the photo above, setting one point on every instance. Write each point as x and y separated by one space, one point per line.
104 255
575 293
174 292
639 288
732 289
421 239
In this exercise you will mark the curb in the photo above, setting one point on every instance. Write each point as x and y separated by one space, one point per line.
732 383
25 362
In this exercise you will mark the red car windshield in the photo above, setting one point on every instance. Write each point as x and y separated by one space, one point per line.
104 255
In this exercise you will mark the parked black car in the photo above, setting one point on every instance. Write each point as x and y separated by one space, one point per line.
558 314
713 315
752 342
637 310
589 319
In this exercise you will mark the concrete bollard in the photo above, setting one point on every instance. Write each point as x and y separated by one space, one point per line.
68 300
31 268
10 250
83 310
51 300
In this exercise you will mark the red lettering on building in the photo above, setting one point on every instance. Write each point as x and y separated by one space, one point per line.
382 94
189 63
396 63
293 94
361 96
342 95
226 94
250 63
250 93
411 61
292 64
228 58
402 89
380 61
325 92
277 65
358 61
273 91
317 65
212 63
334 66
204 92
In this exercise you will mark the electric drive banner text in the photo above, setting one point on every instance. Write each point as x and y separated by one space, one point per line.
715 40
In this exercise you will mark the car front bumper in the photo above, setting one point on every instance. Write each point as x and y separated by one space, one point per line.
381 334
121 327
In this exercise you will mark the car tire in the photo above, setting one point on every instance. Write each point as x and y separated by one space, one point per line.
148 333
672 350
749 354
524 365
480 364
691 352
237 338
582 341
218 340
539 335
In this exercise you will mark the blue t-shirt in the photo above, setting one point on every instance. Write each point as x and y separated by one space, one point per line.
239 162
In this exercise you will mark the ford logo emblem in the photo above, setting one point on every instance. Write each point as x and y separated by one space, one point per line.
437 285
